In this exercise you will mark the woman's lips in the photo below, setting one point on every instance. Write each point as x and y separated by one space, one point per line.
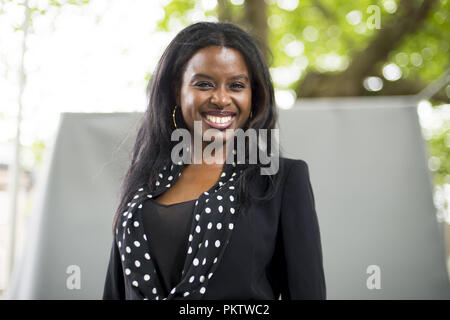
219 125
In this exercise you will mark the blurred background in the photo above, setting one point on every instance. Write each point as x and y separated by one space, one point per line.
96 56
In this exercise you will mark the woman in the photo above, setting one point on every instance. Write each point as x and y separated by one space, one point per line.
196 230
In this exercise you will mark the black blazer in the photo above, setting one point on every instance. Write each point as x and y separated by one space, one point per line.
275 248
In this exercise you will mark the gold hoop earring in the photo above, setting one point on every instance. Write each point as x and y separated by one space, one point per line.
173 117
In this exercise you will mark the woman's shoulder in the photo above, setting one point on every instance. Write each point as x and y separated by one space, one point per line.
294 171
290 171
288 163
283 167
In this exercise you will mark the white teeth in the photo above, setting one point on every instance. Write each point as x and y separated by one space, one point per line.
218 119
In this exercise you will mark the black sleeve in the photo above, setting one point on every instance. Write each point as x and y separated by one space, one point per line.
301 244
114 284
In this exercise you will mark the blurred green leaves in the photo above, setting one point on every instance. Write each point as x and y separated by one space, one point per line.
176 10
439 149
323 37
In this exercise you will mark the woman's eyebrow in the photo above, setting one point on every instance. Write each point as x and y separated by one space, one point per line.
202 75
240 76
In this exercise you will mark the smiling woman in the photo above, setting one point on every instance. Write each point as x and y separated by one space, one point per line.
216 89
213 231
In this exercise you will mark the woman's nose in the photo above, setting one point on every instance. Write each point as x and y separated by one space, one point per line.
221 97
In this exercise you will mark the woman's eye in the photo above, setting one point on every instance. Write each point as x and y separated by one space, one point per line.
203 84
238 85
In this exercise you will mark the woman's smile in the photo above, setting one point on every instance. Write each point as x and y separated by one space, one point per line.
219 121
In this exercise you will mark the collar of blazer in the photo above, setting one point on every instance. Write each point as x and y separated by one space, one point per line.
215 214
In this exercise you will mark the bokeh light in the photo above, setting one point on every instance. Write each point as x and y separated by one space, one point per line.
373 83
392 72
390 6
310 34
354 17
285 99
288 5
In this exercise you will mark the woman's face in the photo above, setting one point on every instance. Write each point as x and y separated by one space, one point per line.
215 89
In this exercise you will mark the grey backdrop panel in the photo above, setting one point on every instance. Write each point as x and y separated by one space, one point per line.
73 221
368 170
373 192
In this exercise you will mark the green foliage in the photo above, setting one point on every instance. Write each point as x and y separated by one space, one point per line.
323 29
72 2
34 11
337 35
55 3
176 9
38 148
431 42
148 76
439 147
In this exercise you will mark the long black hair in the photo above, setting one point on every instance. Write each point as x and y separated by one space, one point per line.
153 145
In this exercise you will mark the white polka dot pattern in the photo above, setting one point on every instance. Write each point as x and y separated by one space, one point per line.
212 226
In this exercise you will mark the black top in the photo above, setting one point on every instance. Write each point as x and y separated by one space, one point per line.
275 247
169 226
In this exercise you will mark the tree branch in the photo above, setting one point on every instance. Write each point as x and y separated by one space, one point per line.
332 17
367 61
255 20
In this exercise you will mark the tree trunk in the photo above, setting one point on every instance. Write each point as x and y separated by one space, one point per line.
253 20
224 11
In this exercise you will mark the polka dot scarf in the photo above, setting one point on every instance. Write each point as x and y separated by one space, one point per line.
214 219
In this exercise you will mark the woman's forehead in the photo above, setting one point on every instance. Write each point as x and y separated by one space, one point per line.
217 60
